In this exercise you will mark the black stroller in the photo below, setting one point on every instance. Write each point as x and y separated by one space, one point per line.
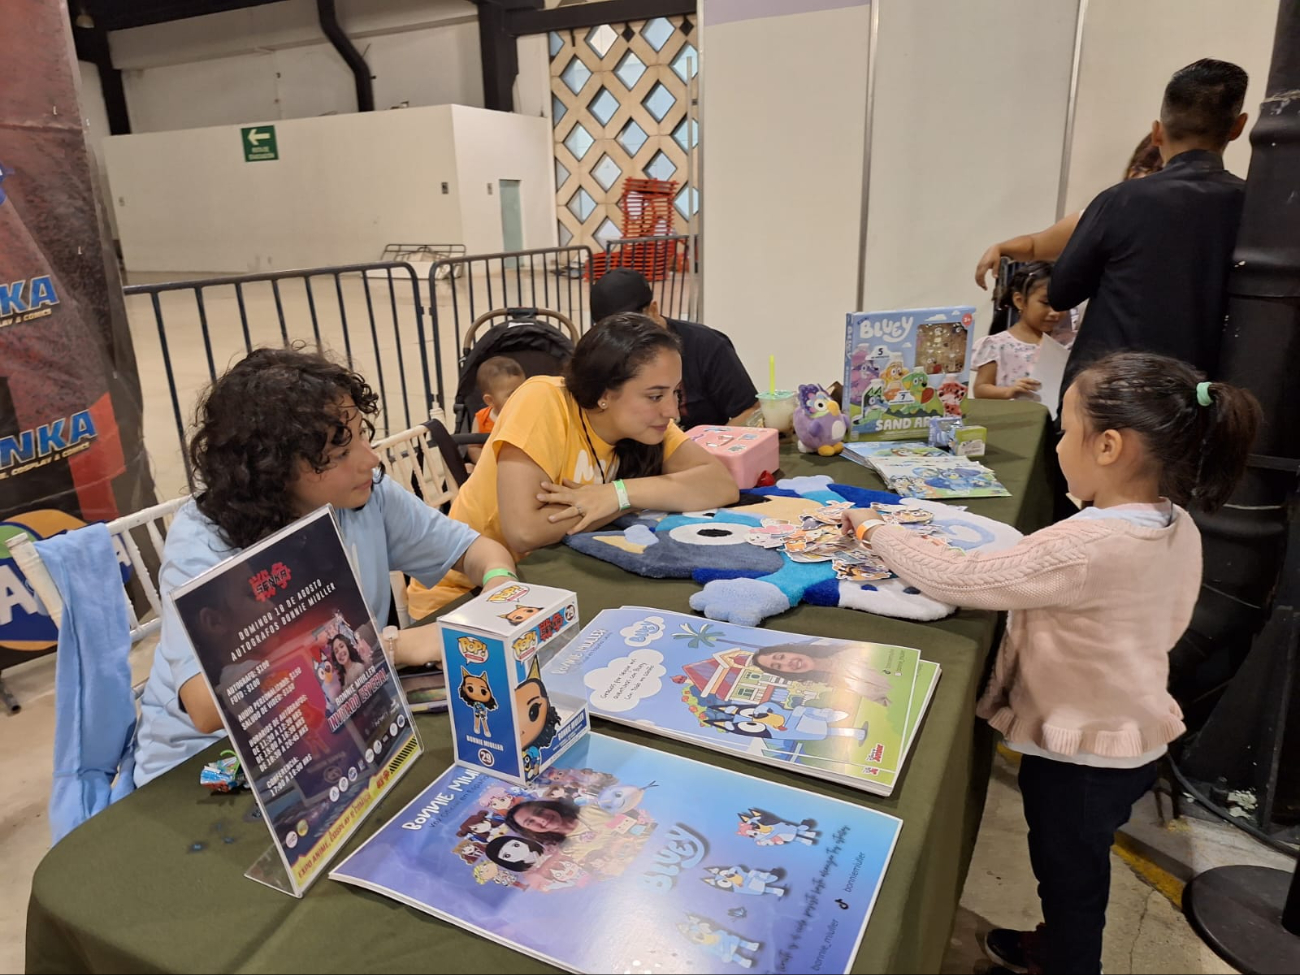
540 348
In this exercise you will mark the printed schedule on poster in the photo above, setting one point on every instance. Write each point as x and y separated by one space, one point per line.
292 656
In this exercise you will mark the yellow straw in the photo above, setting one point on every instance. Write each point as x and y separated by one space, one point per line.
771 375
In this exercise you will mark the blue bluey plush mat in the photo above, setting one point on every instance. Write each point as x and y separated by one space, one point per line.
745 583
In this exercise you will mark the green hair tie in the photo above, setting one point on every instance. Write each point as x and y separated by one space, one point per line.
1203 394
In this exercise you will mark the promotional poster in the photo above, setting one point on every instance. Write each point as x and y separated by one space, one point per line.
621 858
312 707
835 709
71 443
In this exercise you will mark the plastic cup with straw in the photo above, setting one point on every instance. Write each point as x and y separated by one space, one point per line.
777 404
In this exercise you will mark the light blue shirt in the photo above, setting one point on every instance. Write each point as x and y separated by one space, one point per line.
1159 515
393 531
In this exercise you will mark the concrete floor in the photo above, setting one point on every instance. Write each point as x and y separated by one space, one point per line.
1146 932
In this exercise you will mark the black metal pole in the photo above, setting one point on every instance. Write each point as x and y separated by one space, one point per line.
329 25
1244 543
1291 912
1251 915
498 52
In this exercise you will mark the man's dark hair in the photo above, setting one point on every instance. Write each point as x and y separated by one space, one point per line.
619 290
1203 100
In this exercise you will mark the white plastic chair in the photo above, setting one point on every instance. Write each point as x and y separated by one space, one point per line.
414 459
153 522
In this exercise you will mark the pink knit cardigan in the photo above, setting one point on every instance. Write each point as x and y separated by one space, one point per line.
1096 606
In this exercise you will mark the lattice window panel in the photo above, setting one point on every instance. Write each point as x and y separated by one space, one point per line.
608 130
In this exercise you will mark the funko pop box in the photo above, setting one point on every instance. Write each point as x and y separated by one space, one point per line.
509 717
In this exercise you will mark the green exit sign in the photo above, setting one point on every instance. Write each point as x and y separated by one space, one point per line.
259 143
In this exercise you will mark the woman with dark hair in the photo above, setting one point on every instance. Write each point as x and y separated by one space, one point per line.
282 433
571 454
346 659
841 665
555 820
547 820
1145 160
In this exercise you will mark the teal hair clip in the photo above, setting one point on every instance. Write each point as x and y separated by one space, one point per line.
1203 394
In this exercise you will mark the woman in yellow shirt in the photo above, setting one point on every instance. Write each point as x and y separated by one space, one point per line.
571 454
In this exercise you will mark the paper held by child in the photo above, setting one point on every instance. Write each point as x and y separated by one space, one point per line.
1049 369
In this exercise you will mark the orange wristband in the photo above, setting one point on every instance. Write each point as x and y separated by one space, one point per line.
863 529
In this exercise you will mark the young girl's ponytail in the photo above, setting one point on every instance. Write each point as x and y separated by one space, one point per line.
1232 416
1199 433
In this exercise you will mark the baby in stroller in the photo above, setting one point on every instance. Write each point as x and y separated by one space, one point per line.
497 380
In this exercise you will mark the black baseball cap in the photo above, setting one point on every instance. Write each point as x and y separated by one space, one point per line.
621 289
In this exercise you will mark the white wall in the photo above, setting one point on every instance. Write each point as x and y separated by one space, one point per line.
966 142
782 119
970 111
94 121
532 91
343 187
1130 50
273 62
492 146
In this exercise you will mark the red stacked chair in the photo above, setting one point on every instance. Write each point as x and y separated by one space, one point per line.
647 206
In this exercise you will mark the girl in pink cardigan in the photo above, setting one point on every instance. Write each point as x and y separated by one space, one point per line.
1097 601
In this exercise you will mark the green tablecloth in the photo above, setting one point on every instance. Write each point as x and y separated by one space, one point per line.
155 882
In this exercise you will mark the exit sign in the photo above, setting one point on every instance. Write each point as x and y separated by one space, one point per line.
259 143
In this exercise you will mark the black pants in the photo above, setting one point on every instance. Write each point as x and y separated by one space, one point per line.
1073 812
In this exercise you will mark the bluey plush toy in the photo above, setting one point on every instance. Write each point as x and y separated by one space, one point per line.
818 423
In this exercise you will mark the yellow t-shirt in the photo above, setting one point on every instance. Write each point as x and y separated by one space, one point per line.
545 422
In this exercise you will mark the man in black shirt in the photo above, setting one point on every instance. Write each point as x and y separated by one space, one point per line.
1151 256
716 390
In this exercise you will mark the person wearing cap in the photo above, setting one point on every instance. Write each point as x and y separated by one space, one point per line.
716 389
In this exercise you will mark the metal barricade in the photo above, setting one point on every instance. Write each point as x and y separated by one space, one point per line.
554 278
668 263
421 253
319 306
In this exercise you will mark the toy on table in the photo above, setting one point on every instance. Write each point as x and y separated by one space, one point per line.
746 583
818 423
904 367
746 452
223 775
510 716
970 441
952 393
943 431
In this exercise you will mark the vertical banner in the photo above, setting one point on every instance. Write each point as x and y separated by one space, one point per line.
71 443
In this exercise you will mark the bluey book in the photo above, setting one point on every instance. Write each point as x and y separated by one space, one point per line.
866 452
835 709
938 478
622 858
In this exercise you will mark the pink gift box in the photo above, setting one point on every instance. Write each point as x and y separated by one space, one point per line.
745 451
